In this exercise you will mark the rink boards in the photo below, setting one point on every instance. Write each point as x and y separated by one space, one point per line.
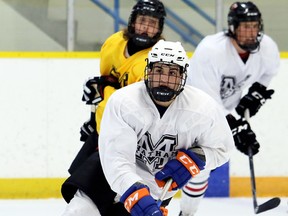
41 96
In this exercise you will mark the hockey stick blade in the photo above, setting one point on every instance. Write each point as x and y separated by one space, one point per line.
270 204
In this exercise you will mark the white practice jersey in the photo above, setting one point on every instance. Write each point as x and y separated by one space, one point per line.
135 142
217 68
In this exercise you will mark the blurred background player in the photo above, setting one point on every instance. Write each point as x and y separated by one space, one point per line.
223 65
122 62
152 131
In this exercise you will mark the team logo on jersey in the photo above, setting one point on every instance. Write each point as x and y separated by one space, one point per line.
228 86
154 155
123 79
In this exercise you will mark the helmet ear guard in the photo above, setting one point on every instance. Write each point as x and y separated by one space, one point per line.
168 53
244 12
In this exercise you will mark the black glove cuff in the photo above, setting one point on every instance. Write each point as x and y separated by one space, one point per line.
231 121
258 87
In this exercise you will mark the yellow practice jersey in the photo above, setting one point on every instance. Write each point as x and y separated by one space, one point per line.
113 62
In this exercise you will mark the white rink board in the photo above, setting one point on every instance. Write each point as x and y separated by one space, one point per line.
42 111
41 114
271 127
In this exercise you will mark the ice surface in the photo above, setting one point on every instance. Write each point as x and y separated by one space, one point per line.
209 206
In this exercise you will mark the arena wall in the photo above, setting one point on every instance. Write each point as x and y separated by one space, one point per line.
41 114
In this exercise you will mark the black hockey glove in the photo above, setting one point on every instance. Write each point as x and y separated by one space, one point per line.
93 88
243 136
254 99
88 128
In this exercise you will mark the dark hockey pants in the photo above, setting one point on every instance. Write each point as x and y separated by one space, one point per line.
87 175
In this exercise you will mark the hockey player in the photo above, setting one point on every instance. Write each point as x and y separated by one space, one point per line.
151 131
122 54
223 65
121 63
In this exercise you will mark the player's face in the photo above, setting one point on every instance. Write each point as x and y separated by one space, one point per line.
146 25
167 75
247 32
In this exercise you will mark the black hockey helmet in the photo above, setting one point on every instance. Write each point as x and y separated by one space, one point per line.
154 8
244 12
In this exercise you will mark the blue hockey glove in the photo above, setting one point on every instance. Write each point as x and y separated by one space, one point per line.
138 201
186 165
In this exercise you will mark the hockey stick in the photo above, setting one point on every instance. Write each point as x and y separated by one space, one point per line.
93 108
165 190
270 204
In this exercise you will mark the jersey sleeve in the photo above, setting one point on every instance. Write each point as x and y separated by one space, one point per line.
112 54
114 63
117 147
219 137
271 60
203 74
206 126
108 91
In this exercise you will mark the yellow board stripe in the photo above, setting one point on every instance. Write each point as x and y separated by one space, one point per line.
30 188
284 55
37 188
265 186
71 54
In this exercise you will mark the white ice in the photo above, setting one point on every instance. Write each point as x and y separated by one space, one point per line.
208 207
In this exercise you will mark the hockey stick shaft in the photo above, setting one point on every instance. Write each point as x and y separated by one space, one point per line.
93 108
165 190
270 204
251 164
252 173
92 113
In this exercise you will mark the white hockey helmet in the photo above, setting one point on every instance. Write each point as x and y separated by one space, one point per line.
166 52
170 52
